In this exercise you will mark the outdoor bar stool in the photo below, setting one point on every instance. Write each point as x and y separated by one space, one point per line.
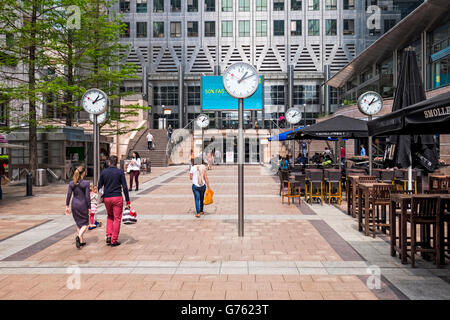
380 199
288 188
332 178
387 176
314 183
426 212
283 175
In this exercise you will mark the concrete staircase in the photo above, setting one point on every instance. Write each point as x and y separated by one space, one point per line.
156 156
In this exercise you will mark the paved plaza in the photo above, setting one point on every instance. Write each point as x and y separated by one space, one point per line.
289 252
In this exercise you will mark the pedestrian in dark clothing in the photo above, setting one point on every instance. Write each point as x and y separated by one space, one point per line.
81 203
113 181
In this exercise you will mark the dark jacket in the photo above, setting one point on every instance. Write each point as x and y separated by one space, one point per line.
113 181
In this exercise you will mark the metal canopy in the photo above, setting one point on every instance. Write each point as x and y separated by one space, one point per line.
423 18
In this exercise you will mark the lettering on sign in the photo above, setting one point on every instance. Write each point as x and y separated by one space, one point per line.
437 112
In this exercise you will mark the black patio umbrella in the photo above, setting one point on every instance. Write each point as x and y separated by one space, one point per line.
410 91
431 116
336 127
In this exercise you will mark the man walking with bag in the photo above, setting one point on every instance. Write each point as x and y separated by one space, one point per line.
150 141
113 181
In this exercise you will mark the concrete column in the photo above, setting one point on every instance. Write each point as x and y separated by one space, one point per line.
326 89
290 87
180 96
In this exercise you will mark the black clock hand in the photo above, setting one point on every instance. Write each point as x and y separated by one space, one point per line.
372 101
248 77
243 77
95 100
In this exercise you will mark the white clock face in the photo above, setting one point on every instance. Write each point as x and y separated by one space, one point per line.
241 80
100 118
370 103
202 120
293 115
94 101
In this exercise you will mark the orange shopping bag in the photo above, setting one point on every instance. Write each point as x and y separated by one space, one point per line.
208 197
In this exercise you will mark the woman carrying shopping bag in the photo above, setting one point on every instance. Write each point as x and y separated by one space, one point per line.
199 184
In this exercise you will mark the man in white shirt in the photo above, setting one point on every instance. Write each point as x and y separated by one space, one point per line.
150 141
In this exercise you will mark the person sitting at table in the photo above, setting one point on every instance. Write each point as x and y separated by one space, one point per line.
301 159
327 162
317 158
284 164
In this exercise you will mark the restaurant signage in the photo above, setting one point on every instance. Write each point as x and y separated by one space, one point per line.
437 112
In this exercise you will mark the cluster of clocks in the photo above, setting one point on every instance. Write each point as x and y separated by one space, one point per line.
95 102
241 81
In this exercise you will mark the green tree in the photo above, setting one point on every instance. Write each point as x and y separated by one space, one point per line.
50 57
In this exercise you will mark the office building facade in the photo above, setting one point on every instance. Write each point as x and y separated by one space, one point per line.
175 42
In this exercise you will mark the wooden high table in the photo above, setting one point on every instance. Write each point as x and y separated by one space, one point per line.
404 200
352 184
364 190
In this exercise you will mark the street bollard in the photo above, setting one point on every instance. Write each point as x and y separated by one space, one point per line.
29 184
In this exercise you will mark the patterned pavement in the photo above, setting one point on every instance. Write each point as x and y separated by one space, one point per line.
289 252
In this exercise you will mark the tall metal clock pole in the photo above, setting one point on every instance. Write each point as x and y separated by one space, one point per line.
241 81
95 102
370 151
370 103
96 150
241 169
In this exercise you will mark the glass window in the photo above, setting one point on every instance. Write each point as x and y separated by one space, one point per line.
244 5
192 5
313 5
261 5
349 4
175 5
227 5
440 73
261 28
296 27
210 5
296 5
227 28
158 6
331 27
193 96
175 29
141 29
158 29
349 27
278 27
124 6
141 6
313 27
210 28
308 94
192 29
165 96
126 31
331 4
274 95
388 24
244 28
278 5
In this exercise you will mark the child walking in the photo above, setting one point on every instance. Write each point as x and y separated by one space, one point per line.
93 223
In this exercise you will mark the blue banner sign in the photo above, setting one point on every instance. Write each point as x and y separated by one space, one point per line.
215 97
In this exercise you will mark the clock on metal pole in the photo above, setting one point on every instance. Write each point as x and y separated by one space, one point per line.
202 120
370 103
241 81
293 115
95 102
